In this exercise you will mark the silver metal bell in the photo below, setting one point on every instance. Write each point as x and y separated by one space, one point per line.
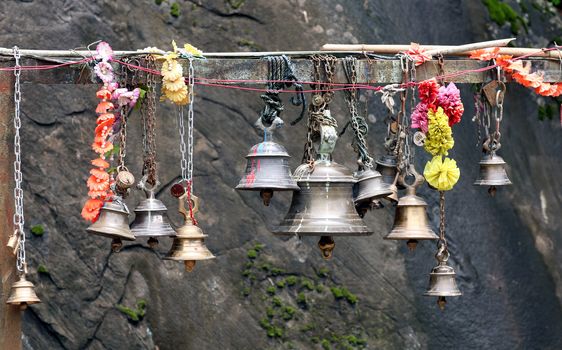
368 189
442 281
151 219
267 167
113 222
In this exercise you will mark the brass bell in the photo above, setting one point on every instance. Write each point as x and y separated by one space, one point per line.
324 205
410 219
151 219
267 167
368 189
492 172
387 166
22 293
113 222
442 279
189 245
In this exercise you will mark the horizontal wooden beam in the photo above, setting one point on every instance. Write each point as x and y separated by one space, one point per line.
253 69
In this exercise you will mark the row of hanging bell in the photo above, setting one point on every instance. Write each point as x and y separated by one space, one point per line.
324 205
410 219
267 165
492 168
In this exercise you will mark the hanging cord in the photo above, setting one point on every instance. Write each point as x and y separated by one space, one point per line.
402 150
273 104
358 123
19 219
148 112
442 254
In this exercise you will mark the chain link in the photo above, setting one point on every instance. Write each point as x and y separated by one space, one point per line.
148 112
190 119
18 219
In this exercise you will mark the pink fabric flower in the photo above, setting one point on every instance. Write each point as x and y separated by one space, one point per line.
104 52
449 98
416 52
104 71
126 97
419 117
112 86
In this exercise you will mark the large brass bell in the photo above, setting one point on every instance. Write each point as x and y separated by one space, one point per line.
151 219
368 189
442 281
492 169
113 222
22 293
324 205
267 167
410 218
189 243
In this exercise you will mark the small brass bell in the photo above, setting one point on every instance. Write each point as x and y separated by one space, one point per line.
387 166
267 167
492 168
368 189
189 245
22 293
113 222
410 219
324 205
151 219
442 279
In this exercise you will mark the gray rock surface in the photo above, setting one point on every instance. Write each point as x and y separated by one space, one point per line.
506 250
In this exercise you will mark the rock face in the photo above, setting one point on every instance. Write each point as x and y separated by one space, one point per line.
263 292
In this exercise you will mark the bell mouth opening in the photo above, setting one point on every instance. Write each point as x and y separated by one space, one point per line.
153 242
412 244
116 245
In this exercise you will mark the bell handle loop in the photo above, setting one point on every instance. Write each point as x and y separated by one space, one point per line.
182 207
147 188
120 168
442 254
418 179
268 130
492 144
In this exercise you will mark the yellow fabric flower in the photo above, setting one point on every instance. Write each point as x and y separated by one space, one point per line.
439 134
192 50
441 173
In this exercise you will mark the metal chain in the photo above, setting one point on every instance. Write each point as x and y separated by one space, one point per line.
19 219
190 118
358 123
123 131
442 251
149 119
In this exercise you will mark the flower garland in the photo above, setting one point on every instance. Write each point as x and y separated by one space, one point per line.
440 108
519 72
112 100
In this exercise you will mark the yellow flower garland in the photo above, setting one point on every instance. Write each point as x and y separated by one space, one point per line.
442 174
439 134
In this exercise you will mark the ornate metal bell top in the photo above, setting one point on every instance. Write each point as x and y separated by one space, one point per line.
189 245
22 293
151 203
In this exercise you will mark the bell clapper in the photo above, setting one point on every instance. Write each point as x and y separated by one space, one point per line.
152 242
441 301
326 245
492 191
266 195
412 244
116 245
189 265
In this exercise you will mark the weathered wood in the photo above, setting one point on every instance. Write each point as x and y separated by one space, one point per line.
370 71
10 322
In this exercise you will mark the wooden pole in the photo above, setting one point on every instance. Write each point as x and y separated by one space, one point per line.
10 316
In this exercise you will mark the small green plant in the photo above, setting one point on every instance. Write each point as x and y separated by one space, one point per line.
307 327
342 292
175 10
301 300
134 315
252 254
272 331
249 264
291 280
319 288
323 272
270 312
288 313
271 290
38 230
306 283
326 344
42 269
280 284
246 273
502 13
277 302
259 246
236 4
275 271
246 291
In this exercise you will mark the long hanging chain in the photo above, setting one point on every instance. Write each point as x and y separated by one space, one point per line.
148 112
358 123
19 220
190 118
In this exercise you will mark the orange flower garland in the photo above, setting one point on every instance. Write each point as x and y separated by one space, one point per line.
519 72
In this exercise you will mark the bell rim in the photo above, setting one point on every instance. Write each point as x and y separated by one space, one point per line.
28 302
505 182
428 293
130 237
282 231
184 258
291 187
